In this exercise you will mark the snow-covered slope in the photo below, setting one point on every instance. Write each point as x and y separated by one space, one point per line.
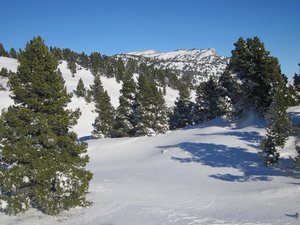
210 174
84 126
200 64
206 174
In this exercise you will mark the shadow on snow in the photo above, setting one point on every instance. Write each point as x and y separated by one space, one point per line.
218 156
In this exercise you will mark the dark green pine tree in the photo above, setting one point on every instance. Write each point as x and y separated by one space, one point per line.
42 163
3 52
279 126
84 60
80 89
103 124
126 115
95 62
258 72
13 54
230 96
208 97
120 70
151 109
182 114
72 67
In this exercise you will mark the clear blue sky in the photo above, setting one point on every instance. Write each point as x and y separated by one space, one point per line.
120 26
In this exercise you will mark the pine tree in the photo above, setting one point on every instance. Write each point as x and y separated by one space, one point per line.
72 67
84 60
151 109
230 96
208 101
182 115
4 72
3 52
279 126
42 163
256 70
80 89
13 54
103 124
120 70
95 61
126 115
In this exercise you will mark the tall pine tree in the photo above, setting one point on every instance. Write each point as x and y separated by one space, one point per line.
208 101
182 114
258 72
151 109
80 89
3 52
279 126
126 115
42 163
103 124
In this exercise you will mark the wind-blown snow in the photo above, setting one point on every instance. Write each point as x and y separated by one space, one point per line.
206 174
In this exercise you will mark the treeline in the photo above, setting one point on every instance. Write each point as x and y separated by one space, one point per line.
114 66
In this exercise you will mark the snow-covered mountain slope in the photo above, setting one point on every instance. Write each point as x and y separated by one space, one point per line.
200 64
206 174
84 126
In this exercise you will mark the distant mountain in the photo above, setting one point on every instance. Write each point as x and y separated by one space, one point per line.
197 64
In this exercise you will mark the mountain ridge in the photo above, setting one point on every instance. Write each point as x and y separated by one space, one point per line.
197 64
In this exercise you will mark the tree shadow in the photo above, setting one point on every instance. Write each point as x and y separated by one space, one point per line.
222 156
251 137
85 138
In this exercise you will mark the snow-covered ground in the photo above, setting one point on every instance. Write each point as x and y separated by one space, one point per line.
206 174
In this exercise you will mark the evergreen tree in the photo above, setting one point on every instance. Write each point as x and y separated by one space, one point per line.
80 89
13 53
230 96
208 101
95 61
103 124
279 126
151 109
296 81
258 72
126 115
182 115
131 65
3 52
72 67
84 60
4 72
42 163
120 70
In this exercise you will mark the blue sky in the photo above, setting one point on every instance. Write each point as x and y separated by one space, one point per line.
120 26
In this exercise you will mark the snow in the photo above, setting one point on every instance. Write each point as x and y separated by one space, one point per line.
9 63
205 174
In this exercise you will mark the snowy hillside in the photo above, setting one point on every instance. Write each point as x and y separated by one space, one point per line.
84 126
206 174
200 64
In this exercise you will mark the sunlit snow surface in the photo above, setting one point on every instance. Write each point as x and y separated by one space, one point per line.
207 174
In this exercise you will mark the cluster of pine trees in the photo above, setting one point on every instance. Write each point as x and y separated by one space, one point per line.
141 111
